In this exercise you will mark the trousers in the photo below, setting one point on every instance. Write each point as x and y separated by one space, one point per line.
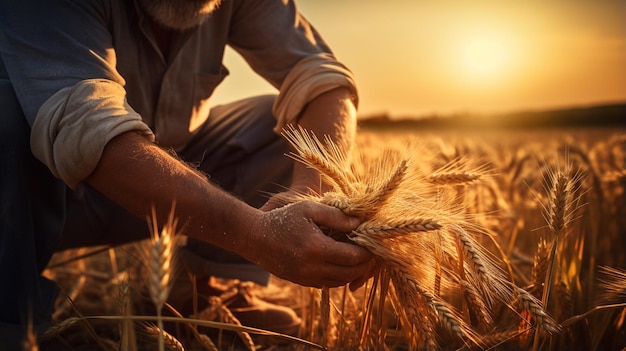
236 148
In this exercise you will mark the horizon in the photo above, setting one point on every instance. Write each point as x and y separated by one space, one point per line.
495 113
443 57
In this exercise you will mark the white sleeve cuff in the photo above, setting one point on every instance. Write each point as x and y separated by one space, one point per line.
310 78
73 126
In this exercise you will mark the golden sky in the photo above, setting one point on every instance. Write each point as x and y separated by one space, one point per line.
415 57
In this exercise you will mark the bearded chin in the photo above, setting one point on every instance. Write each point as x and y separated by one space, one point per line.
179 14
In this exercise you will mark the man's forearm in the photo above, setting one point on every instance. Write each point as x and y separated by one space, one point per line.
139 175
287 242
334 114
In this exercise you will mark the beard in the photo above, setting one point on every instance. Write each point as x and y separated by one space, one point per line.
179 14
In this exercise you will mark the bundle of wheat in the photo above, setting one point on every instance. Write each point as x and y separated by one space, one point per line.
420 237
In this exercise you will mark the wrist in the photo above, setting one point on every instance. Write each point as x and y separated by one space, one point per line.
248 224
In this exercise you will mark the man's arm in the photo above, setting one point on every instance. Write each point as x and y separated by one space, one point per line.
287 241
333 114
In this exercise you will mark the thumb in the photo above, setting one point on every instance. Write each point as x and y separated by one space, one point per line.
331 217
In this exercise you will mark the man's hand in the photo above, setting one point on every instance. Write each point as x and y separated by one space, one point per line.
289 243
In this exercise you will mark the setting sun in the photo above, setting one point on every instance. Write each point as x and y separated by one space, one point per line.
445 56
485 57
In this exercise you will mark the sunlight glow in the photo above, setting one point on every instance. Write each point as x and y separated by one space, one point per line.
485 57
446 56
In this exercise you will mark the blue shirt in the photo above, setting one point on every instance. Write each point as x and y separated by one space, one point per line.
85 71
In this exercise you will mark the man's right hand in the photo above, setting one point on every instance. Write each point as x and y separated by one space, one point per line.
289 243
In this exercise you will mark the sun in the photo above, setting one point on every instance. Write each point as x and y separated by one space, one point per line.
485 57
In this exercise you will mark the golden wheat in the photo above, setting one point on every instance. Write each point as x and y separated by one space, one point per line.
406 230
170 341
161 259
444 282
613 285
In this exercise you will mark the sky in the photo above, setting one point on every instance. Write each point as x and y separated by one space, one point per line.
415 58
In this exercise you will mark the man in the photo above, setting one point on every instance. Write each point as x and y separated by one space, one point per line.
104 103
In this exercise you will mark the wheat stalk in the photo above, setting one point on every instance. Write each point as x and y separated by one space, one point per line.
453 178
558 213
29 343
169 340
535 308
325 316
161 261
127 331
59 328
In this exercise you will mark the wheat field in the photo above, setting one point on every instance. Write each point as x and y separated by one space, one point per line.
500 240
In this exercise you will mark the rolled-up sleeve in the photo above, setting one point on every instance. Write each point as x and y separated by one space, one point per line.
284 48
61 61
73 126
311 77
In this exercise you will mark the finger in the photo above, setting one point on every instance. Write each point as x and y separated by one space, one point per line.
346 254
330 283
356 284
331 217
360 281
343 274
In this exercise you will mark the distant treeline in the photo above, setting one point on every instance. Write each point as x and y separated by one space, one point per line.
613 115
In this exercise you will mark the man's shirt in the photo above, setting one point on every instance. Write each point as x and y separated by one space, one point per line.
86 71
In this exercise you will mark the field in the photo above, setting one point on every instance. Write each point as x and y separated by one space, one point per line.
492 240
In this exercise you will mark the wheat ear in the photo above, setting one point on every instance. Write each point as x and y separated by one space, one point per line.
169 340
218 311
128 340
392 228
490 275
535 308
419 329
365 201
59 328
228 317
540 268
452 178
441 310
160 265
382 195
565 302
206 342
327 159
477 304
560 213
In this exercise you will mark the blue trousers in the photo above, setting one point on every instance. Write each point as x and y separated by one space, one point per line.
236 147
